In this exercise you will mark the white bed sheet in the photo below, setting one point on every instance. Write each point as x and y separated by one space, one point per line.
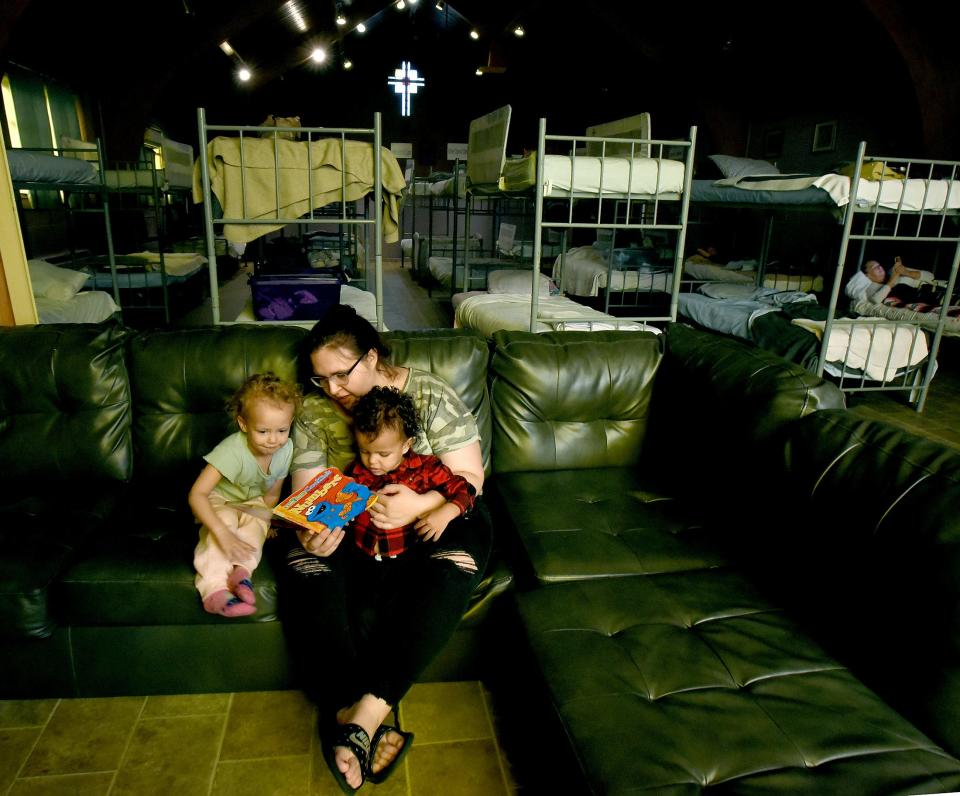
491 312
563 175
586 272
87 306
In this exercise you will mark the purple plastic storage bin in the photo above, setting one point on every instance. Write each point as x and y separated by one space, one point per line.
287 298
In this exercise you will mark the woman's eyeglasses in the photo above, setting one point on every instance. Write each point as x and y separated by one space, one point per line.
336 379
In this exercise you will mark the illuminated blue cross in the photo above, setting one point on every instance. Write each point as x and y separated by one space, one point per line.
405 81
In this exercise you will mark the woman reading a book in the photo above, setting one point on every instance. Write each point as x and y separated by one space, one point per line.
358 647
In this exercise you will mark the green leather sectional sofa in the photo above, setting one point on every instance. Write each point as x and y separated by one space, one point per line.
710 572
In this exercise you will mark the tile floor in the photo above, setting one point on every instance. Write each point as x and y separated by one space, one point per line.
243 744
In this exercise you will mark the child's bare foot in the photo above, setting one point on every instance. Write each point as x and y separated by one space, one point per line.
224 603
239 583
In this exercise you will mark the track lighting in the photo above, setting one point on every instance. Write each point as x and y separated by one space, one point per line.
474 35
441 5
318 55
244 74
361 28
341 19
518 31
348 64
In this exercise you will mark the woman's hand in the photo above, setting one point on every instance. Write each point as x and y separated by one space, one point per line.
398 505
321 544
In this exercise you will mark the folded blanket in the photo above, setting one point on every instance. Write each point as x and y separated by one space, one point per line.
251 192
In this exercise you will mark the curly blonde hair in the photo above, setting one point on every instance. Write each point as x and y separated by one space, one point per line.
266 387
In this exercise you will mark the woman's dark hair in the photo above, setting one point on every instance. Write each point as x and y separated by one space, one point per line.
341 326
386 407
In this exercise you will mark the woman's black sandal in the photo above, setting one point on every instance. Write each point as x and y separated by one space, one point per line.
354 738
377 777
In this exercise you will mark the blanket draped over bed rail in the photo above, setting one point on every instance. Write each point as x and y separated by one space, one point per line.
322 159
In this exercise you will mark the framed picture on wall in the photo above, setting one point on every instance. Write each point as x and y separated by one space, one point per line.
825 137
773 143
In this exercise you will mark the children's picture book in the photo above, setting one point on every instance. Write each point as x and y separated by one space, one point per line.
330 500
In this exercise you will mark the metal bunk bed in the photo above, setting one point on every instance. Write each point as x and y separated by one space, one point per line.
658 205
919 206
251 195
634 197
79 170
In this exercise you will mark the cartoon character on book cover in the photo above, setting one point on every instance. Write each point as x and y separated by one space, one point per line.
331 499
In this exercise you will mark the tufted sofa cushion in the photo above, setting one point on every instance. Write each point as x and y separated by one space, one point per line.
66 446
459 357
571 400
685 681
874 559
720 412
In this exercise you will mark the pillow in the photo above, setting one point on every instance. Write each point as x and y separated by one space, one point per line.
89 153
743 167
515 281
52 282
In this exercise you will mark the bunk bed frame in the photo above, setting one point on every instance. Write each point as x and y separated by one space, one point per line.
239 215
649 202
921 207
641 209
87 175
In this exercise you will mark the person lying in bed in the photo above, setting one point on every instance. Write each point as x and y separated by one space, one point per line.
896 288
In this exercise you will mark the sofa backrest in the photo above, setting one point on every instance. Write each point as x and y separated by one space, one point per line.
459 357
64 405
571 400
867 547
181 379
720 411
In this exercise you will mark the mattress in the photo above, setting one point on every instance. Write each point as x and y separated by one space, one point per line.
58 171
563 176
585 272
441 268
141 269
712 272
709 192
87 306
491 312
909 195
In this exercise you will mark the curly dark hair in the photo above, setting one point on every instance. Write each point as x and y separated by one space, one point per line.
266 386
386 407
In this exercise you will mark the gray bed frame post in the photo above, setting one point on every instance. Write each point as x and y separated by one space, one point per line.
208 218
378 217
537 226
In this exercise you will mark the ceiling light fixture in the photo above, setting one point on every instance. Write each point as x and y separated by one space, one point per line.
296 15
227 49
361 28
318 55
519 32
474 35
244 74
341 19
440 5
400 5
348 64
479 72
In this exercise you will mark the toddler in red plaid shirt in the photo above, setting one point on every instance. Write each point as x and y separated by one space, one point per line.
386 426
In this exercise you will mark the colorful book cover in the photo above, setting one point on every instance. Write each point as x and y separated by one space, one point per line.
330 500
